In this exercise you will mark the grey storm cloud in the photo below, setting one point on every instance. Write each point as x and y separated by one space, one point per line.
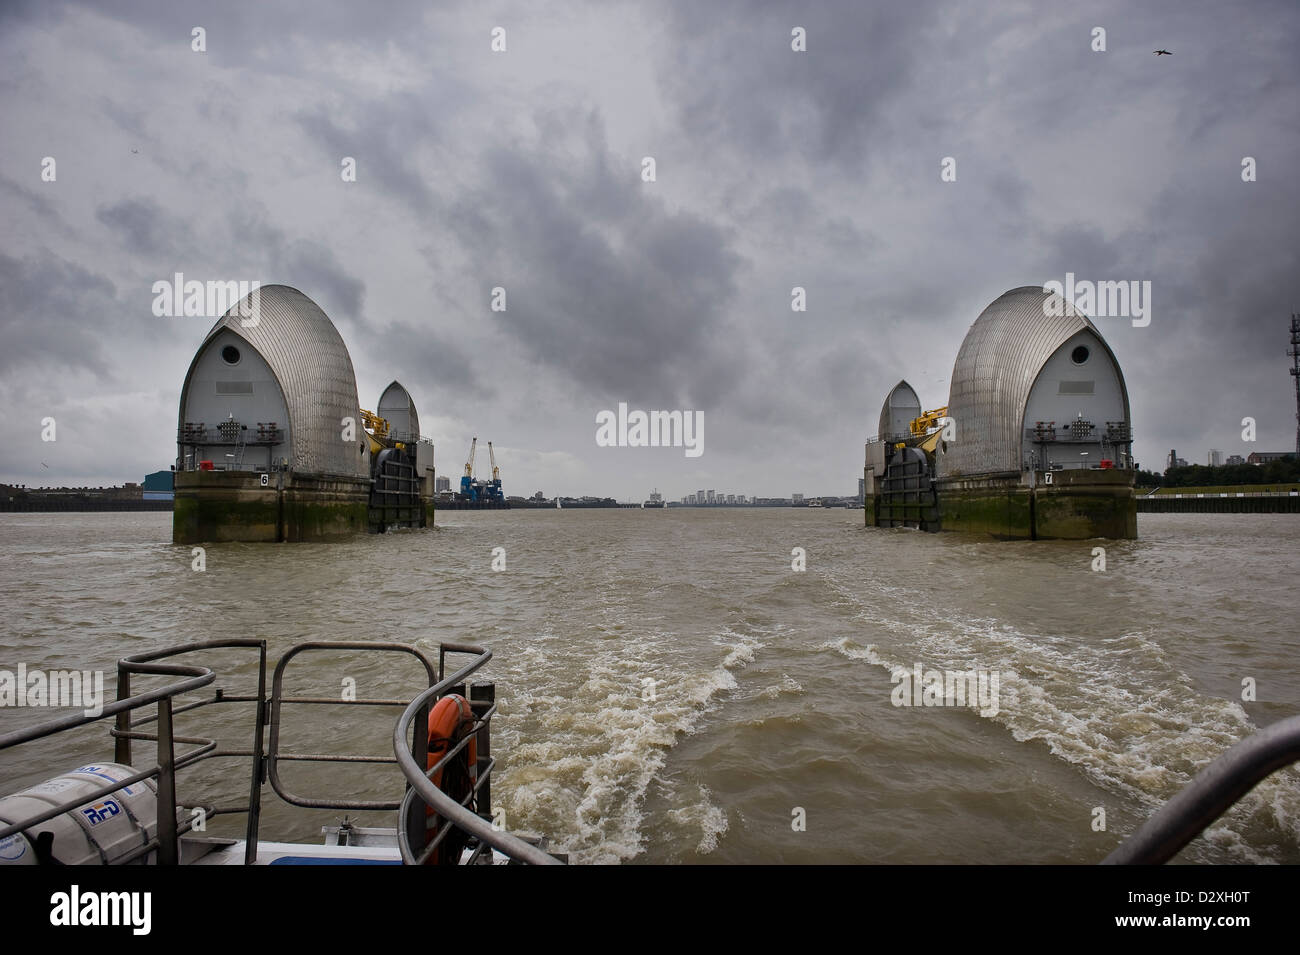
383 142
310 264
163 242
55 315
139 223
17 195
775 169
630 319
259 28
304 264
430 358
825 104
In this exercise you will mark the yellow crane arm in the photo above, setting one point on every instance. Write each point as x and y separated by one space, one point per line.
469 465
928 421
374 424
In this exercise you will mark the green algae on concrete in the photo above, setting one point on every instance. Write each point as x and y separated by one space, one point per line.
999 512
1084 503
310 518
1076 505
223 506
1078 514
235 506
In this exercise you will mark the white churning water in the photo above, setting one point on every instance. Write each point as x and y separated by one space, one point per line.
672 691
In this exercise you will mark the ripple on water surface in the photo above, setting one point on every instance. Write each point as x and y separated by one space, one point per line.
671 690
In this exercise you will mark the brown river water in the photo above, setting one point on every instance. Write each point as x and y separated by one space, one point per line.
772 735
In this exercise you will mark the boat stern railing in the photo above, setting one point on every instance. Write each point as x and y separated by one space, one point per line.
166 841
159 728
415 841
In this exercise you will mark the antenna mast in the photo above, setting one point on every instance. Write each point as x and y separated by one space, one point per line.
1294 352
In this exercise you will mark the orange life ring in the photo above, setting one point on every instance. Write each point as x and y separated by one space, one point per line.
449 721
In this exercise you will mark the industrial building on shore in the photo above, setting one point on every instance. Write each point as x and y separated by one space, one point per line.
1035 440
272 443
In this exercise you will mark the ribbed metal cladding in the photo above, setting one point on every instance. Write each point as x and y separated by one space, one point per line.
314 369
996 367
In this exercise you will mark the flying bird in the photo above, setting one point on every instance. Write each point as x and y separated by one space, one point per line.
1162 53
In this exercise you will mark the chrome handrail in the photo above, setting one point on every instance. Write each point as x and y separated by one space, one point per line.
423 788
1211 793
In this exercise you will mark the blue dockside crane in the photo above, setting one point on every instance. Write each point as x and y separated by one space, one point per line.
476 491
467 486
494 489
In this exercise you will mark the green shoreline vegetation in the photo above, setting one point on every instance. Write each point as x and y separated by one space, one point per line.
1280 475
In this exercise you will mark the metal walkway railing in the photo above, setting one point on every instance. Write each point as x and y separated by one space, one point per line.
264 762
166 842
278 700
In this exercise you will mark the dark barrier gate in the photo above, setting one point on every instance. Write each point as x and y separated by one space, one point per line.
395 492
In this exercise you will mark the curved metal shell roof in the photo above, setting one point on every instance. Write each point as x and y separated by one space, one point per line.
901 407
397 405
314 370
998 363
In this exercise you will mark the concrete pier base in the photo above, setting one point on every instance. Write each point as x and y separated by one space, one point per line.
1076 505
1082 504
235 506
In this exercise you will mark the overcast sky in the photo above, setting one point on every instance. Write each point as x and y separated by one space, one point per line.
523 169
